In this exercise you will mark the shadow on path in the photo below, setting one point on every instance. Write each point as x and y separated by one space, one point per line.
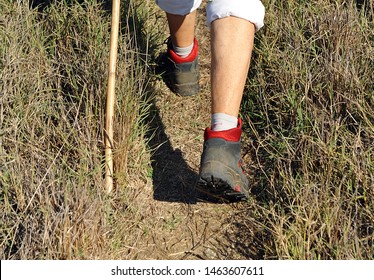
173 179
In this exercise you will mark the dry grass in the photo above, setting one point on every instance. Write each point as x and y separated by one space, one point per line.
53 78
308 113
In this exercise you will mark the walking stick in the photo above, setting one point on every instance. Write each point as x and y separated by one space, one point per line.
111 96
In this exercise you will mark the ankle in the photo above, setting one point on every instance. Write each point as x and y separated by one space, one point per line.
189 58
183 52
231 135
221 122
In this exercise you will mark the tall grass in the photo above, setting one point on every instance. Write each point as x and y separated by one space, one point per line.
308 110
53 77
310 114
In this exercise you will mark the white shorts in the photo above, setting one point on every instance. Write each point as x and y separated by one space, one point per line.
251 10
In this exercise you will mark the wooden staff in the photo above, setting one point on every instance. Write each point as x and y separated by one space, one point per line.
111 96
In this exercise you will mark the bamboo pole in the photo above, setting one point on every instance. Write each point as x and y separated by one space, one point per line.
111 96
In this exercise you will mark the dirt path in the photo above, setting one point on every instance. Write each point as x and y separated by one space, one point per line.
176 226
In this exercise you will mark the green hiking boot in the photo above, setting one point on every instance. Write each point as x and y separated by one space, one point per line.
222 177
182 74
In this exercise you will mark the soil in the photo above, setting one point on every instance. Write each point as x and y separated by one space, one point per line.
179 226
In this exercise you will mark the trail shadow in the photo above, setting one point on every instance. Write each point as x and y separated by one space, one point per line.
173 179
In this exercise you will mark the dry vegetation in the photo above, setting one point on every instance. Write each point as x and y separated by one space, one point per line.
53 80
309 134
310 113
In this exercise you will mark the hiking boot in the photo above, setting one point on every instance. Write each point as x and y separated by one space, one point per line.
222 177
182 74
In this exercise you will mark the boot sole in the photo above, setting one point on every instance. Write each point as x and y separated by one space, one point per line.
218 191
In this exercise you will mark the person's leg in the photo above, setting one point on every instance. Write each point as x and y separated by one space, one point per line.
181 66
231 47
221 174
233 24
182 28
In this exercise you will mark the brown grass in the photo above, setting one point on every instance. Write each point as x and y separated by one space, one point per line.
308 143
53 78
310 115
